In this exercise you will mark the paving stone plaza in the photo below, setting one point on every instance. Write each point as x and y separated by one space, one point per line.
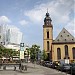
32 70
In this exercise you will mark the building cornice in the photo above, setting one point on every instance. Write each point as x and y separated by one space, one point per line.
63 43
47 39
45 26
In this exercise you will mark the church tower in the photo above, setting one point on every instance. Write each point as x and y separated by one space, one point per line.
48 36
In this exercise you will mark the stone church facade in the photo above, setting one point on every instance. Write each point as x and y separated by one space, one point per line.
63 47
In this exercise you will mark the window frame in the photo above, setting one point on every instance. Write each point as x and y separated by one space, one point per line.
58 53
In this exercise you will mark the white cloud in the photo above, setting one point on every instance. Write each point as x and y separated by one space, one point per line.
71 27
23 22
4 19
59 10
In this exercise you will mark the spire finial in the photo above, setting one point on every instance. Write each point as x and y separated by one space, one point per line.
47 10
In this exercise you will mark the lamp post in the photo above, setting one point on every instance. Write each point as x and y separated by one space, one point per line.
21 51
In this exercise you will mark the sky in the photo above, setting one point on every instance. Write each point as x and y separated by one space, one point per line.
28 16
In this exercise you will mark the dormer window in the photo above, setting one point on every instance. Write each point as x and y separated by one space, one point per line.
58 40
64 31
68 35
61 35
65 39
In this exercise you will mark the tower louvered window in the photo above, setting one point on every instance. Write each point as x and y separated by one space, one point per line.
48 45
47 34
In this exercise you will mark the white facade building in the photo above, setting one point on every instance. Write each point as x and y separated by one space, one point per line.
13 46
14 35
10 36
3 34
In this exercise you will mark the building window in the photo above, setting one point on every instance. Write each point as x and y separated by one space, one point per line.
58 40
64 31
73 51
66 51
48 34
68 35
65 39
58 53
61 35
47 45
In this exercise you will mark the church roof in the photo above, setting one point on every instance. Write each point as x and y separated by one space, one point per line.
64 37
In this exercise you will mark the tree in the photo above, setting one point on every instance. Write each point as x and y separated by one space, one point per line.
1 50
28 51
34 52
0 53
5 52
44 55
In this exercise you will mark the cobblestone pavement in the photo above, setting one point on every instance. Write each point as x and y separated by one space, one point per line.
33 70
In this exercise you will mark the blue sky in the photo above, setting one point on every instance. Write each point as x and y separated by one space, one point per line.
28 16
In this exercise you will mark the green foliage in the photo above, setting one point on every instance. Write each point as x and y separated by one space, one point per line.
28 51
5 52
34 52
44 55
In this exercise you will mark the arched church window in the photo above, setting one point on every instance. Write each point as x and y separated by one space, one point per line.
66 51
58 53
73 51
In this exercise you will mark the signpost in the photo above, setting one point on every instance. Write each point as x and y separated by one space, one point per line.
22 65
21 50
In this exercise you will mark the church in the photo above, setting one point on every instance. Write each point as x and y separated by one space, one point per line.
63 47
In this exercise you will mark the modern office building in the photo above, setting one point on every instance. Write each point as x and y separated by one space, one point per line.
14 35
63 47
10 37
2 34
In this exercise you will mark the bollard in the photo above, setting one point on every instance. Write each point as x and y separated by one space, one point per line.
25 67
0 66
22 67
14 68
4 67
